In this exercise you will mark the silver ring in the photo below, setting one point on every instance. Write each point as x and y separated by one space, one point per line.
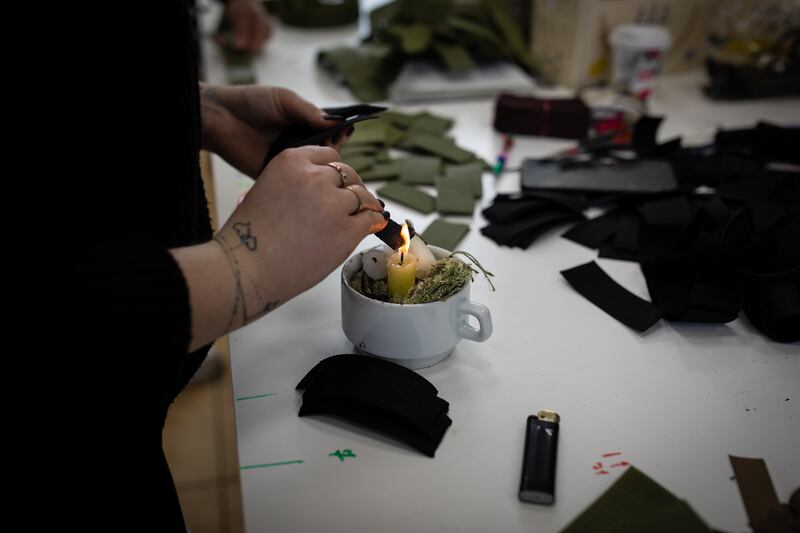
358 198
342 175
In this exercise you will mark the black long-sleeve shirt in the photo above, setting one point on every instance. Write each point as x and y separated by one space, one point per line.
101 179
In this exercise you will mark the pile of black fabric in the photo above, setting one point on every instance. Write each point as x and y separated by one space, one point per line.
727 240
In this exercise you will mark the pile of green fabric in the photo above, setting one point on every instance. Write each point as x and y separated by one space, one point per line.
456 33
434 160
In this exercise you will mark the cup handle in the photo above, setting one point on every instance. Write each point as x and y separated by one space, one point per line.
481 312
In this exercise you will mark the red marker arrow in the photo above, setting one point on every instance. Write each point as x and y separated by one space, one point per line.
621 463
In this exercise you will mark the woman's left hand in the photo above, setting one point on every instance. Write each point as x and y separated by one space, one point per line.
240 123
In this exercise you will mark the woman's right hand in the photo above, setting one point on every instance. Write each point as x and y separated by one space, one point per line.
296 225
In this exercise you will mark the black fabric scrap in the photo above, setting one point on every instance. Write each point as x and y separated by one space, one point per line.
594 232
687 288
380 395
523 232
597 287
626 237
673 211
610 251
644 139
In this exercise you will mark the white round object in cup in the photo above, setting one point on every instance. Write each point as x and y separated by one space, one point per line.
412 335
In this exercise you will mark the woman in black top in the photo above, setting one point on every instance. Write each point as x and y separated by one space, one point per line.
118 286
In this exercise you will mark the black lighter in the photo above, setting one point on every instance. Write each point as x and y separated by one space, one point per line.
538 483
390 234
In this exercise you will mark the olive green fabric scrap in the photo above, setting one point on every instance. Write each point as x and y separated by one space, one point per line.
372 132
350 150
445 234
377 131
425 122
367 70
455 57
459 33
471 171
455 195
399 119
437 145
636 503
419 169
409 196
412 38
360 163
381 171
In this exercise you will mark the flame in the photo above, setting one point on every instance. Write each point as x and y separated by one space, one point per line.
406 240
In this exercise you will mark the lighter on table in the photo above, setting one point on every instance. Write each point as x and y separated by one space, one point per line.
538 483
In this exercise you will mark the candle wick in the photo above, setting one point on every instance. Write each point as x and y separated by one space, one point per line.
402 256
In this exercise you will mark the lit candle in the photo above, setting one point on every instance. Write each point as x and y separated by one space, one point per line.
401 269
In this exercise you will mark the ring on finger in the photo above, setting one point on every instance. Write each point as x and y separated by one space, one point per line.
342 175
358 199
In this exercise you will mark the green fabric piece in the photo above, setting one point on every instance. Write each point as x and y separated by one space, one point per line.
369 132
455 57
419 169
383 157
459 33
408 196
445 234
503 19
471 171
401 120
436 145
477 33
367 70
413 38
394 135
636 503
455 195
425 122
360 163
359 149
381 171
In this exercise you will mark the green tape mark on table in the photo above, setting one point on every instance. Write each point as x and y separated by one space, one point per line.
256 396
268 465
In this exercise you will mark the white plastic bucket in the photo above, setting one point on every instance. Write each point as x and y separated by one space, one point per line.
638 51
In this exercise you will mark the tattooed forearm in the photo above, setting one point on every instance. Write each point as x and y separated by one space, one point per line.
246 287
211 94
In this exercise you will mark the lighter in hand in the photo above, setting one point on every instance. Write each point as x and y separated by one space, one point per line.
539 462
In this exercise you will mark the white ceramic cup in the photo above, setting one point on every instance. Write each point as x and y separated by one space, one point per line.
413 335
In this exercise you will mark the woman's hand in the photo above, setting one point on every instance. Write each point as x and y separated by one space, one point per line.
296 225
250 24
240 123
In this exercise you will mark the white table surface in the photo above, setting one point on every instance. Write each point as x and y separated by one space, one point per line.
675 401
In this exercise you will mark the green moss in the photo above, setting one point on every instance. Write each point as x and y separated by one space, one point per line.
447 276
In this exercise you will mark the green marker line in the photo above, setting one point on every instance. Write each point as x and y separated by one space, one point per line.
256 396
267 465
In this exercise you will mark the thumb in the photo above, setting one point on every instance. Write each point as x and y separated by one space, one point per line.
368 221
298 109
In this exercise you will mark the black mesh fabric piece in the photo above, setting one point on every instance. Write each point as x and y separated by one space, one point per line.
380 395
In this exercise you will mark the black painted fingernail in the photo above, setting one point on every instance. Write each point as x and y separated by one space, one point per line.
381 202
332 117
386 215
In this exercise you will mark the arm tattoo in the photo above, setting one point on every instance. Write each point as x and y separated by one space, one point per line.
243 278
242 229
211 94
